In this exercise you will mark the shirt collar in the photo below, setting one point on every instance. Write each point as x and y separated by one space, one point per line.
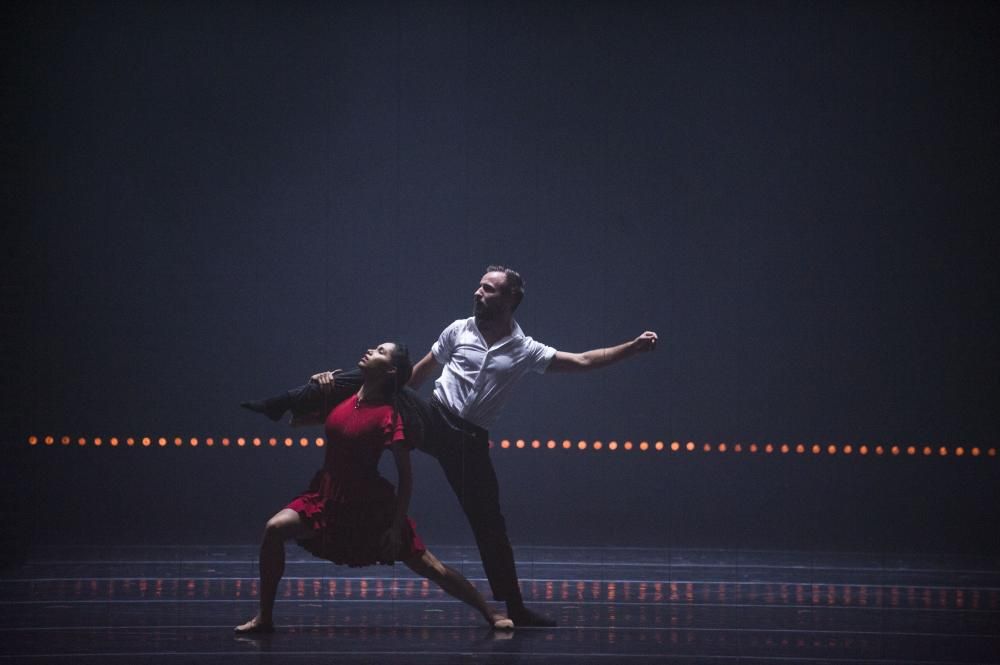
515 332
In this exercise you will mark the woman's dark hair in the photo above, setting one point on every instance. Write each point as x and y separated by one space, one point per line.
400 359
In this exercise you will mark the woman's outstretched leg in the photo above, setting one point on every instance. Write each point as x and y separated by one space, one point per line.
455 584
285 524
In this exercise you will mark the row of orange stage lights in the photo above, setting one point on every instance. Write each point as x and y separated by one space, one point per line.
877 450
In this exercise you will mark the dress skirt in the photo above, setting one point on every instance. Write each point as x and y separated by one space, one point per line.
348 517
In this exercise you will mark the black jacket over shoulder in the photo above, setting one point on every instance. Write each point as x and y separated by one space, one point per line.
311 403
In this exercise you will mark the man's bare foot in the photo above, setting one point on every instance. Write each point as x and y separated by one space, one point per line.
500 622
254 627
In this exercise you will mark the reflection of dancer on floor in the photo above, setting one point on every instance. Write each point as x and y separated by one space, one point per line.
351 515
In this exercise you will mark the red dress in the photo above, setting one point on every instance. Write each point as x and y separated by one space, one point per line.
348 504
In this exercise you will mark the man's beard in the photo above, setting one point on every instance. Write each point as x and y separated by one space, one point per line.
482 311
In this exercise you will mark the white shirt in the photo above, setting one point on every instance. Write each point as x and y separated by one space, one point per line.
477 380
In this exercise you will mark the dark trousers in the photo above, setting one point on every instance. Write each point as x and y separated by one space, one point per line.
463 450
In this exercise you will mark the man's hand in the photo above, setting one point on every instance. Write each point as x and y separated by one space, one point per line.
644 342
325 379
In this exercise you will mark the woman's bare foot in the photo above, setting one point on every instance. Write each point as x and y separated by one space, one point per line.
500 622
254 627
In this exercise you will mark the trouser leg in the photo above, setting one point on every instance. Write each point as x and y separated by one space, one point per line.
466 462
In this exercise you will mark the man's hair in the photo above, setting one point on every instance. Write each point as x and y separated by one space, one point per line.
514 283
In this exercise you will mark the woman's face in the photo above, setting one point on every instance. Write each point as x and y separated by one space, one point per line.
378 360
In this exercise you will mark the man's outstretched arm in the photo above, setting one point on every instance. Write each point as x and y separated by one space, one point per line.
580 362
423 370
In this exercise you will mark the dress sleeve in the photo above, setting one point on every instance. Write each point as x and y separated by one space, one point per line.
395 433
539 355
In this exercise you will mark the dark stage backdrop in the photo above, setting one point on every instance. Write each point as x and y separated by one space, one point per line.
209 202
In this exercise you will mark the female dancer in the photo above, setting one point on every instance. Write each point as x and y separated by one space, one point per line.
350 514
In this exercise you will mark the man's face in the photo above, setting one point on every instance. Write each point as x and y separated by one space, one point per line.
491 300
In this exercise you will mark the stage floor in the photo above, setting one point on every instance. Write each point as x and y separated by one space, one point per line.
179 605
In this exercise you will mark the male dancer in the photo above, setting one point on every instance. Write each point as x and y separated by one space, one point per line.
482 358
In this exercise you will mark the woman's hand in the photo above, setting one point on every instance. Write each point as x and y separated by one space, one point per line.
325 379
390 543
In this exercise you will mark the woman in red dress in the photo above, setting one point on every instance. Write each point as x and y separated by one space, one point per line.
350 514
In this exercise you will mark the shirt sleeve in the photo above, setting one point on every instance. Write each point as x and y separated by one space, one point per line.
539 355
445 345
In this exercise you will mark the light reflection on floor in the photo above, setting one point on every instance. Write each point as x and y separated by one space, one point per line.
698 606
